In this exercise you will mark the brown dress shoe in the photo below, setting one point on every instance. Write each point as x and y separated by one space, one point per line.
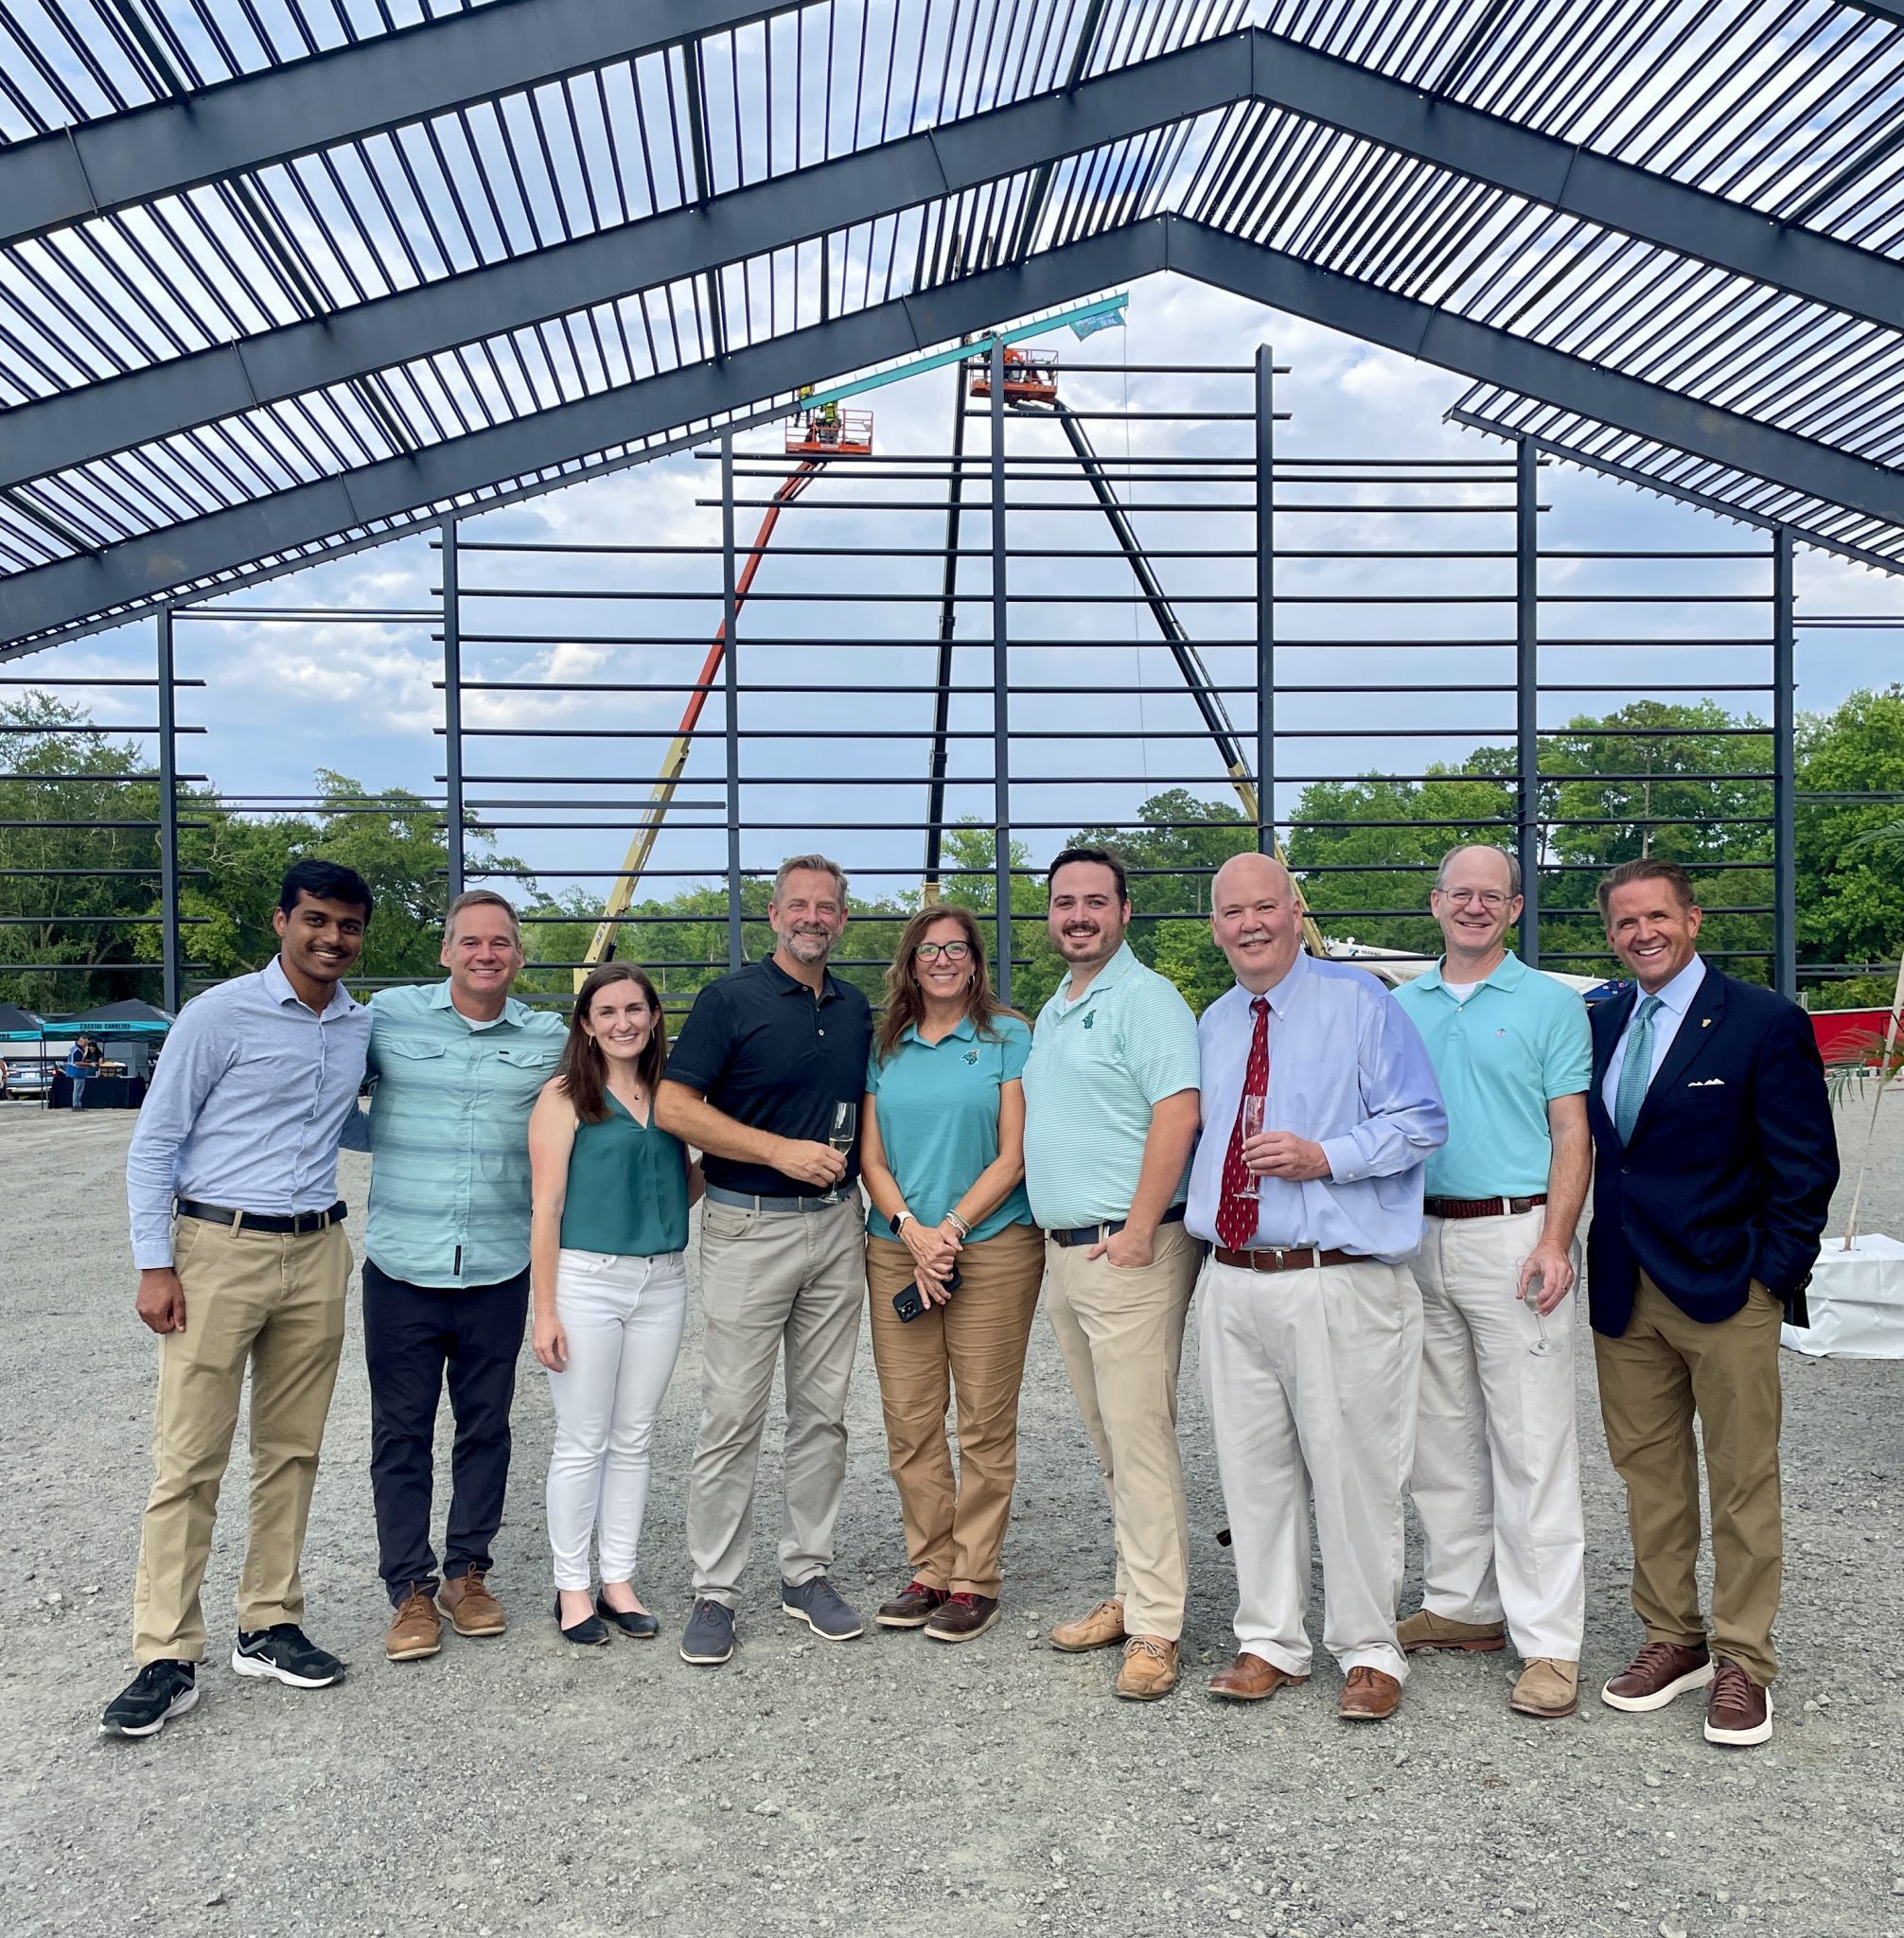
1547 1687
1658 1673
1150 1670
1249 1679
1103 1626
910 1607
1368 1696
416 1630
960 1617
472 1610
1425 1631
1739 1712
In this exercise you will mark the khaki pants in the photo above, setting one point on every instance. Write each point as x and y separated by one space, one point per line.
1497 1469
277 1304
1660 1373
1311 1378
769 1279
1122 1332
973 1347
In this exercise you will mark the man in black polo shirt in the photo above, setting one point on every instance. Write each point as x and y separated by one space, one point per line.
752 1080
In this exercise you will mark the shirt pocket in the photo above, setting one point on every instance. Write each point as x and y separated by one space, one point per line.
400 1052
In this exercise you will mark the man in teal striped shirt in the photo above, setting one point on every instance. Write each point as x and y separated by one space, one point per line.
446 1271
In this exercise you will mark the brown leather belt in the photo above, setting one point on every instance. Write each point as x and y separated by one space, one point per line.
1284 1258
1481 1207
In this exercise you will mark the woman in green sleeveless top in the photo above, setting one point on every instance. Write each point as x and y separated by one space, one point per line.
611 1193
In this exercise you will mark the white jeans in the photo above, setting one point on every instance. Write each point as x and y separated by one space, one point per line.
1311 1378
623 1318
1497 1471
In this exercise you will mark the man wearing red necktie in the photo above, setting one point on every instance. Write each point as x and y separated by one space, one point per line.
1309 1324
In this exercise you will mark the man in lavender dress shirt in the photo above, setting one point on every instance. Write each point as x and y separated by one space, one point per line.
237 1234
1309 1324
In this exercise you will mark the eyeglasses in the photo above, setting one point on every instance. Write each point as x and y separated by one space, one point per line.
953 952
1489 899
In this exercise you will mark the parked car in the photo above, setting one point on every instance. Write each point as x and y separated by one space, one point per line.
25 1076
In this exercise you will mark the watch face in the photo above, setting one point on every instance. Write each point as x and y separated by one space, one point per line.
895 1222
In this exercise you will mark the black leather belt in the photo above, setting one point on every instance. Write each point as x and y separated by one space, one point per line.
1481 1207
1096 1234
295 1225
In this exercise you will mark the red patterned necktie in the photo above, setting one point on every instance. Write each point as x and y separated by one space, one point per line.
1236 1216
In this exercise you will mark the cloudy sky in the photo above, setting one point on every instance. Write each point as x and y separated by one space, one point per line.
360 697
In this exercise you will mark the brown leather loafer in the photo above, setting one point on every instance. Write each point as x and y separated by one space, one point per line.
1249 1679
1658 1673
416 1630
1425 1631
960 1617
1547 1687
472 1610
1738 1712
1368 1696
911 1608
1150 1670
1103 1626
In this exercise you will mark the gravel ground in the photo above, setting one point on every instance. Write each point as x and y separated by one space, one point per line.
518 1786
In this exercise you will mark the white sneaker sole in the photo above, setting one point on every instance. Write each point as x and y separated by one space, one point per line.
707 1661
1742 1740
244 1665
794 1615
189 1699
1639 1706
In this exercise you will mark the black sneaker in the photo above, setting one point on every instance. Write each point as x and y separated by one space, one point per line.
160 1691
287 1653
822 1607
708 1639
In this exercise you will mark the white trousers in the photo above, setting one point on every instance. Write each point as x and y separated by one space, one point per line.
1497 1470
1309 1378
623 1318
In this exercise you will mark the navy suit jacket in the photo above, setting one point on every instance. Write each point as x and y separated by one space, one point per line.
1733 1161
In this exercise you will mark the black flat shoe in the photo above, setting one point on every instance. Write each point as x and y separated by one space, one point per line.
638 1623
587 1631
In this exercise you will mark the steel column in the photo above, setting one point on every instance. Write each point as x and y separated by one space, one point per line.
1266 600
1002 714
1528 692
171 952
948 626
1784 770
452 709
731 697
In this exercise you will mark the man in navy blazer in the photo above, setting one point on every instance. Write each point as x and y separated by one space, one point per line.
1717 1161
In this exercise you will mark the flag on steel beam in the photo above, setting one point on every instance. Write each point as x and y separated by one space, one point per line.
1089 326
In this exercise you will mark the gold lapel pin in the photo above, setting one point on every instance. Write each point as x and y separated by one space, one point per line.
1705 1022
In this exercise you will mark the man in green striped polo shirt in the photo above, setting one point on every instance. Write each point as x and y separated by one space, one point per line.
458 1066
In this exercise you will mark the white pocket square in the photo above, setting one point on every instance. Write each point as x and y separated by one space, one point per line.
1707 1084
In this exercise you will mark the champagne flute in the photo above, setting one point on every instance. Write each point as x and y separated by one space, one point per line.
841 1130
1252 1127
1531 1298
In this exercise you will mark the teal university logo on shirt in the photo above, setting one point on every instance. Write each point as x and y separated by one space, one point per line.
972 1054
1090 1017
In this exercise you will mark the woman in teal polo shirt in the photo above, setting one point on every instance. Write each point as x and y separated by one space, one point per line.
610 1288
941 1154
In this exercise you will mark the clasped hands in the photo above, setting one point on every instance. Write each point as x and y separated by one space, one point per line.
935 1253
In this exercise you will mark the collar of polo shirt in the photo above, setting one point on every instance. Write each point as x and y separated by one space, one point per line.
962 1031
791 985
1506 975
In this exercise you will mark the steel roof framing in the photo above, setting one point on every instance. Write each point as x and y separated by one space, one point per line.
95 167
1670 233
71 426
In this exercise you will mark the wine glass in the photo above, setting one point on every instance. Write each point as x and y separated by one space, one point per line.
1531 1298
1252 1127
840 1132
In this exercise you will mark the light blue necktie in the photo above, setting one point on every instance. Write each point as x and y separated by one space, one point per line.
1636 1071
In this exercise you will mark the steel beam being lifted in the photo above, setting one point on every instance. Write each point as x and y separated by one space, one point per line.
120 413
250 122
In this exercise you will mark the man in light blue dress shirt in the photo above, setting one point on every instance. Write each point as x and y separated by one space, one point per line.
458 1068
237 1234
1309 1323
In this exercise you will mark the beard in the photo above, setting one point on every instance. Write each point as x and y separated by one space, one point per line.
808 945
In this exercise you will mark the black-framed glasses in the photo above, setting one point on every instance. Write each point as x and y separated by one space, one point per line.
953 952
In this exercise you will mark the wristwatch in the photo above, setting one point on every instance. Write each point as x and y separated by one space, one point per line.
898 1219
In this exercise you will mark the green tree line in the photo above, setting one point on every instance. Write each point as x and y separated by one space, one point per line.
79 885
